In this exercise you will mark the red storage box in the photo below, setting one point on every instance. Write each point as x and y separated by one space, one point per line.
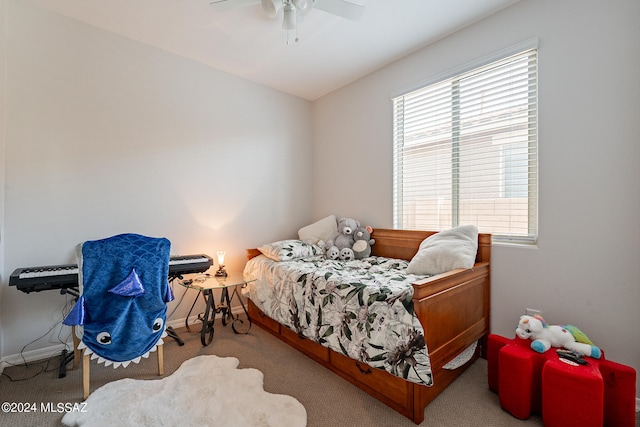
572 395
601 393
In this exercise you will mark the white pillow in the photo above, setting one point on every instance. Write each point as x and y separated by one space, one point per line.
446 251
323 229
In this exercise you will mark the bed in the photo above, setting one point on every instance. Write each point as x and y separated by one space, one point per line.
450 313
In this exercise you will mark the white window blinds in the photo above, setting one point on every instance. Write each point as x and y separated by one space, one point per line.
465 151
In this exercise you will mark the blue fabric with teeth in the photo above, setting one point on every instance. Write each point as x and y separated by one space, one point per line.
124 298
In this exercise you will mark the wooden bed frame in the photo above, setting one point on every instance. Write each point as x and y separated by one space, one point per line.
453 308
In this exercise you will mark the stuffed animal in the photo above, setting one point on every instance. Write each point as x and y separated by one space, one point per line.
333 253
362 242
544 336
347 254
344 237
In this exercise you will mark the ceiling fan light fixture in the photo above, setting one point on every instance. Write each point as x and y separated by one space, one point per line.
289 18
291 9
289 23
271 7
303 6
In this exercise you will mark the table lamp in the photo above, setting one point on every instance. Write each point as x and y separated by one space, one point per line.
221 271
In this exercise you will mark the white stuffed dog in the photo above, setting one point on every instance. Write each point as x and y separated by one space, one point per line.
544 336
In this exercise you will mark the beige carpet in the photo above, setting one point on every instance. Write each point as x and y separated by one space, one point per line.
328 399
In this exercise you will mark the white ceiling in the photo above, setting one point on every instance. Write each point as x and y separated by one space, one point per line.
331 52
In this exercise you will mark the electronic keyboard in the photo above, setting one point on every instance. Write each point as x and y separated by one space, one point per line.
63 277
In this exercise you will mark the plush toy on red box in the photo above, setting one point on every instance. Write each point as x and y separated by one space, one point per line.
530 379
545 336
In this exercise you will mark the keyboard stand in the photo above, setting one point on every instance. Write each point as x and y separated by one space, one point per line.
170 331
65 356
173 334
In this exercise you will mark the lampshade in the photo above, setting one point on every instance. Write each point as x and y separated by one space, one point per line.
271 7
221 271
221 255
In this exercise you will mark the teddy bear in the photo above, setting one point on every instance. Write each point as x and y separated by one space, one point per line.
347 254
362 242
544 336
343 238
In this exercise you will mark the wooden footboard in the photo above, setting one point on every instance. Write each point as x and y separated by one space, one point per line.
453 308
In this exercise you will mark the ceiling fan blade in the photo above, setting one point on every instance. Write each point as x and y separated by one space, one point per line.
341 8
224 5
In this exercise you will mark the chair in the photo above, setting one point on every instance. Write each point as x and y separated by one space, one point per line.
120 314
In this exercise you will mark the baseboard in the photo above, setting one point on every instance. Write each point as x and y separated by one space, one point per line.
34 355
56 350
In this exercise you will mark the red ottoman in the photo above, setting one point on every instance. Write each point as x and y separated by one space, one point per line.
519 380
572 395
494 344
515 373
602 393
619 394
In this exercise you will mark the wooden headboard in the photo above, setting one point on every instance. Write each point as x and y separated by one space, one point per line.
404 244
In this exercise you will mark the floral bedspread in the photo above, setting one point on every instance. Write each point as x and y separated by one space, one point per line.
362 309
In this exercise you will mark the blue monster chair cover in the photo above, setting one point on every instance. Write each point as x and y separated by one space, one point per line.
124 293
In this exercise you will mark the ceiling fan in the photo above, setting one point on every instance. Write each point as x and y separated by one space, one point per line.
292 8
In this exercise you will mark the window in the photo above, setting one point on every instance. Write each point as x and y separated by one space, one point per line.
465 151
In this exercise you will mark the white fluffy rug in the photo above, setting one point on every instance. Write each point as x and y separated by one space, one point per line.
204 391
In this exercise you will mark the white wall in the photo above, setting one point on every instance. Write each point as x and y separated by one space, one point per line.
106 135
2 149
586 267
